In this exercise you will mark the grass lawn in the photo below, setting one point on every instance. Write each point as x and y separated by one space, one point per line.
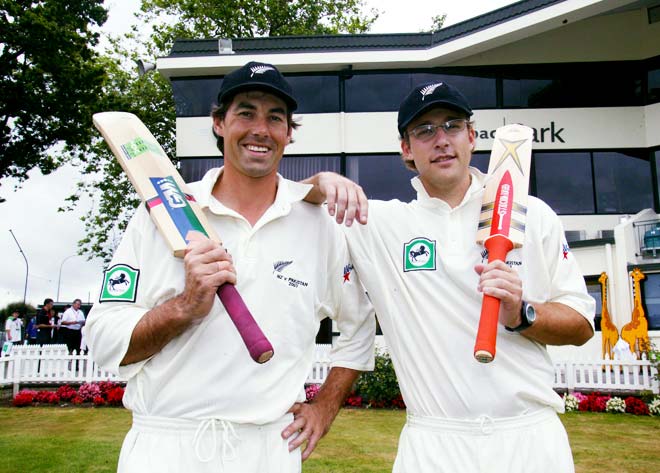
78 440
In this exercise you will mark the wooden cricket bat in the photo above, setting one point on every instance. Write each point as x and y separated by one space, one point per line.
502 220
173 208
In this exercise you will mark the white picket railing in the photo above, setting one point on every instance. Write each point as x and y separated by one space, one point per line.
33 364
606 376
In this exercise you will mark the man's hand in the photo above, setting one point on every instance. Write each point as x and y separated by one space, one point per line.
208 266
497 279
346 200
312 423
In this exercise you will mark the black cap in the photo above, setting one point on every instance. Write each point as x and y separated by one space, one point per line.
260 76
429 94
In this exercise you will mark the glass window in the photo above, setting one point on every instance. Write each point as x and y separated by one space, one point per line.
193 169
653 88
376 92
480 161
564 181
623 182
651 291
195 97
383 177
480 92
297 168
315 94
520 92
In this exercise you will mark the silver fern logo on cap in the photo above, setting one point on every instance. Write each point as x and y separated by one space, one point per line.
260 69
429 89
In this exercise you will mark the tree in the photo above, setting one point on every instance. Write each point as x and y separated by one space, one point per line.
50 79
150 96
437 22
23 310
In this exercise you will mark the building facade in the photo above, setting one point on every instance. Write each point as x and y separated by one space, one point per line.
584 74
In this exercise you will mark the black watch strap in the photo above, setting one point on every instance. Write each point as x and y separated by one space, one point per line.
527 317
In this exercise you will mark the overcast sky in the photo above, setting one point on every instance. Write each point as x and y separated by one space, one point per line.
49 239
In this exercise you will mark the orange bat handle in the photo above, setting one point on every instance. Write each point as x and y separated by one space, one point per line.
484 348
256 342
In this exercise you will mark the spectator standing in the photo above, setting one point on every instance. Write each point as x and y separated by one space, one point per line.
44 326
71 324
13 328
31 331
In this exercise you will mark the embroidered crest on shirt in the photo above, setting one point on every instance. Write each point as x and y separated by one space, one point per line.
347 272
120 283
419 255
565 250
278 268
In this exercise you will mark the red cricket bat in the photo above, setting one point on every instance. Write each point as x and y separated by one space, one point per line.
173 208
502 220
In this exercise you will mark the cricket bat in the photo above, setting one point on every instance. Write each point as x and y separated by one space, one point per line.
173 209
502 220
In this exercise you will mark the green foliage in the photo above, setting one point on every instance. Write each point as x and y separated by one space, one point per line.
438 21
380 386
150 96
50 79
654 357
23 309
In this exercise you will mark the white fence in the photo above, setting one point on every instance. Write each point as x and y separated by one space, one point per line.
33 364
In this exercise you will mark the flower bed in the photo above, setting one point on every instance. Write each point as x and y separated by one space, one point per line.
596 402
105 393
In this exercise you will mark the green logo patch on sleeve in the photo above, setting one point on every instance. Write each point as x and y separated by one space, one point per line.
120 283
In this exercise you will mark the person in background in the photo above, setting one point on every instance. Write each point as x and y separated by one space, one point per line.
44 326
73 320
14 328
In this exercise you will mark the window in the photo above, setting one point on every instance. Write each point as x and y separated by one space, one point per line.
192 170
383 177
651 292
564 181
384 92
653 87
195 97
297 168
480 161
623 182
315 94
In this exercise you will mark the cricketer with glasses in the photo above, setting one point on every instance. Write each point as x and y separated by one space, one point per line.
426 275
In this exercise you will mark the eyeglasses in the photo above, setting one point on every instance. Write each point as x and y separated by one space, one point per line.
450 127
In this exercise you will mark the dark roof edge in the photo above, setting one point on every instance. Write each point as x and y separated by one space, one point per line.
364 41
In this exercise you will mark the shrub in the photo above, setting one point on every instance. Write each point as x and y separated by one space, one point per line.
88 391
380 386
115 396
23 398
654 407
77 400
66 393
570 403
636 406
615 404
99 401
311 391
353 400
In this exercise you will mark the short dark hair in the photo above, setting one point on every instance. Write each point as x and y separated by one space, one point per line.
220 111
48 300
77 300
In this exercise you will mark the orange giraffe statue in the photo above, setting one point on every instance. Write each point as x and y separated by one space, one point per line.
609 332
636 333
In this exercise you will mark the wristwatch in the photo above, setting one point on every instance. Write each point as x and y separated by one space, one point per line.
527 318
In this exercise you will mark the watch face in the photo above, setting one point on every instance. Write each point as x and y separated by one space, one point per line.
530 313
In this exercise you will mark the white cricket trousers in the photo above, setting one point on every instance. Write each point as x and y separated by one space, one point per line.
163 445
531 443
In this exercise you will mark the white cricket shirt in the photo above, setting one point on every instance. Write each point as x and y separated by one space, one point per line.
416 261
73 315
293 270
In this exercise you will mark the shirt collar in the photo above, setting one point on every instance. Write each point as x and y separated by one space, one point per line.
288 192
423 197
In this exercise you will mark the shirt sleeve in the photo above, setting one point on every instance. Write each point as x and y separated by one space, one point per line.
351 310
110 323
566 280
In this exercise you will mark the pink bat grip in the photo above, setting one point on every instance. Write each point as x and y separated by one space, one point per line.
256 342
